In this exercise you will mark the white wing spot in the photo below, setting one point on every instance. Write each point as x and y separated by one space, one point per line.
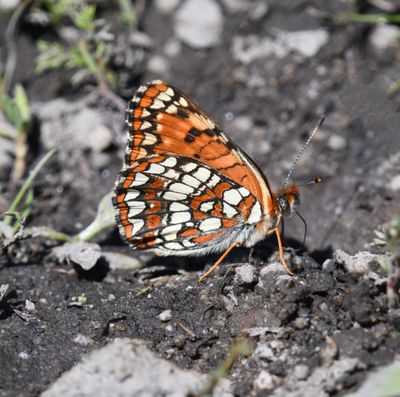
169 232
135 99
149 139
244 192
213 181
169 162
131 195
135 207
163 96
255 213
174 207
181 188
145 113
173 246
228 210
174 196
188 167
210 224
155 169
171 174
189 180
232 196
188 244
180 217
140 179
171 109
202 174
142 88
183 102
137 225
145 125
169 91
207 206
157 104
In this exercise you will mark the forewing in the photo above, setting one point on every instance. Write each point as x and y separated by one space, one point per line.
178 205
162 120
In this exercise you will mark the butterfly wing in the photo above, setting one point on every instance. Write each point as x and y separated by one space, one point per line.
162 120
176 205
186 188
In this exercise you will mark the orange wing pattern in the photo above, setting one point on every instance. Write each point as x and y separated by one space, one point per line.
186 188
162 120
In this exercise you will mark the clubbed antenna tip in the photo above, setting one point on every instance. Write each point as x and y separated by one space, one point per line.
301 151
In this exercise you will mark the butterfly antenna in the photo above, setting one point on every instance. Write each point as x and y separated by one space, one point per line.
301 151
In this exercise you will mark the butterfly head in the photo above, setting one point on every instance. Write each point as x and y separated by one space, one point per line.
287 199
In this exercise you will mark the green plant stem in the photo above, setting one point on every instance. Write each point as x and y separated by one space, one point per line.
239 349
27 184
91 64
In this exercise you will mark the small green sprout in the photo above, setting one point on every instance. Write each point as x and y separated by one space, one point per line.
16 108
391 237
89 55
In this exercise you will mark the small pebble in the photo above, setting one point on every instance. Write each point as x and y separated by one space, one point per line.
83 340
301 322
30 306
336 142
246 274
165 316
384 36
265 381
199 23
301 372
394 184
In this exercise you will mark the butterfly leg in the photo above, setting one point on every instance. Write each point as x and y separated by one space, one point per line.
278 237
217 263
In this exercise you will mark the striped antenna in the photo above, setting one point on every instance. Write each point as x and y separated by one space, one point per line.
301 151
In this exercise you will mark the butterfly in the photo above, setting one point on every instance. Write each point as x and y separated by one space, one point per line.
186 188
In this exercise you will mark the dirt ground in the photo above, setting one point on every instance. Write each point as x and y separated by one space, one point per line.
267 90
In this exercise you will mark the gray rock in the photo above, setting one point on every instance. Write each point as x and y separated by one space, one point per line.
165 316
127 368
199 23
100 138
140 39
359 263
116 260
394 184
158 65
323 378
301 372
384 36
337 142
265 381
166 6
83 254
307 43
246 274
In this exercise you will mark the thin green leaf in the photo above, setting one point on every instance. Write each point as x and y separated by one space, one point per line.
22 104
51 56
127 13
27 184
85 17
104 219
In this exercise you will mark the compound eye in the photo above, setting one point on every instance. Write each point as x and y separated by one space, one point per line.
283 204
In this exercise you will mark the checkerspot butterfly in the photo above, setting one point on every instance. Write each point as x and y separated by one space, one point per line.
186 188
